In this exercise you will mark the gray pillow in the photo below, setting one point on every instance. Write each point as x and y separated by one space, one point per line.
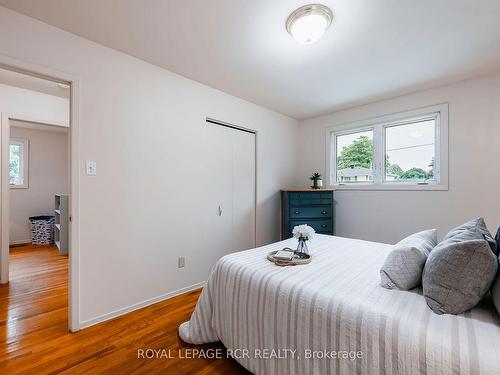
403 266
458 273
495 291
497 240
477 224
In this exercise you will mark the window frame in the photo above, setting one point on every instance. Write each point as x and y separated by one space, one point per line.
379 125
24 143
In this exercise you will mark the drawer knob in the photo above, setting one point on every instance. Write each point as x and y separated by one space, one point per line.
323 225
297 212
323 212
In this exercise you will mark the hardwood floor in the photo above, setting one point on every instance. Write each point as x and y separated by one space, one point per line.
34 338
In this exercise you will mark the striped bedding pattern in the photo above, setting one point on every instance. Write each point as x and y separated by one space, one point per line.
335 303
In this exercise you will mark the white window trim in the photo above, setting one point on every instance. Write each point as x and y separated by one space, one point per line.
382 122
25 162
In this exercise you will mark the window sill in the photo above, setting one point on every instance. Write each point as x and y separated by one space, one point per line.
18 186
392 187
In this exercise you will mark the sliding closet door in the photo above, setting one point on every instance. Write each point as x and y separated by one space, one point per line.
230 189
218 188
243 190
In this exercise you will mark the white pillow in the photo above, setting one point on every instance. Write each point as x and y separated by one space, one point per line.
404 265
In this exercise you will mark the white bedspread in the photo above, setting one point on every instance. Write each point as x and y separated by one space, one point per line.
335 303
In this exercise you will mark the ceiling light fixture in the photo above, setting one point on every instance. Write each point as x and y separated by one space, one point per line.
308 23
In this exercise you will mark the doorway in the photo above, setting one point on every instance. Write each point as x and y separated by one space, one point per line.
37 169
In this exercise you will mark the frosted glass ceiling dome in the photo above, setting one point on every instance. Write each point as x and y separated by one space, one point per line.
307 24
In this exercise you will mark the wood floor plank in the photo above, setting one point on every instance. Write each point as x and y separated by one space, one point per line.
34 338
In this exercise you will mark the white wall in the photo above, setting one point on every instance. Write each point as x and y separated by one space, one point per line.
30 105
48 174
474 156
145 128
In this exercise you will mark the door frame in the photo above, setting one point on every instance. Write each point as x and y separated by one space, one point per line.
4 197
215 122
19 66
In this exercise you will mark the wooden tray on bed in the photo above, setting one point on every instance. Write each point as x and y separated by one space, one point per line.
298 259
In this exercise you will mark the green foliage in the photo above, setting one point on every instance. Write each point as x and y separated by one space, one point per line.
358 154
414 174
14 164
316 176
394 169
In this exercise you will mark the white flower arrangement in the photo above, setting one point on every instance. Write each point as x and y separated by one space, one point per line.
303 232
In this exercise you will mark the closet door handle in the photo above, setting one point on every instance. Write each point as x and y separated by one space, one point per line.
323 225
323 212
297 212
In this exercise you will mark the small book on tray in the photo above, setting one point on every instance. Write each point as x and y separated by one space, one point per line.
284 254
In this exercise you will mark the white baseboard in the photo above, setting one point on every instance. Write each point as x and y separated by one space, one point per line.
137 306
20 242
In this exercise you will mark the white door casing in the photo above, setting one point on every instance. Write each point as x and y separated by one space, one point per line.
4 205
44 72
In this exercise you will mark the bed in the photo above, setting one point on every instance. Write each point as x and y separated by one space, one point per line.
332 317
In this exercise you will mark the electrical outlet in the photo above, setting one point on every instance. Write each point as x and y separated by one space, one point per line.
181 262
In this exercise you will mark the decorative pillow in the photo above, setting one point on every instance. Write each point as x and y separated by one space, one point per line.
477 224
495 291
403 266
458 273
497 240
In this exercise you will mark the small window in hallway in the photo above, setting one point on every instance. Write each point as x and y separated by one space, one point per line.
18 163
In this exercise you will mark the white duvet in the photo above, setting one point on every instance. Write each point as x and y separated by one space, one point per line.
332 317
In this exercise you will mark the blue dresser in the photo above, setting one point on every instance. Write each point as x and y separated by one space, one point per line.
311 207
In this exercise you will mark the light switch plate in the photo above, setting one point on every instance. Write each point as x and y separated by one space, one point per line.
91 167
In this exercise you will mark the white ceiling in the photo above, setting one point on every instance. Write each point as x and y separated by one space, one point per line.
373 50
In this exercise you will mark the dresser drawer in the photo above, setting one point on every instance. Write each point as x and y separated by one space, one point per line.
310 198
321 226
311 212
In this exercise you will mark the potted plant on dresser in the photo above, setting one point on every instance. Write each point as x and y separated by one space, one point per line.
317 181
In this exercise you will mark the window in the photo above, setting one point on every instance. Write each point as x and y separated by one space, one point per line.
410 151
18 163
354 156
405 151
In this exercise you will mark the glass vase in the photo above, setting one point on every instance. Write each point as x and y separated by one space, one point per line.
302 247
